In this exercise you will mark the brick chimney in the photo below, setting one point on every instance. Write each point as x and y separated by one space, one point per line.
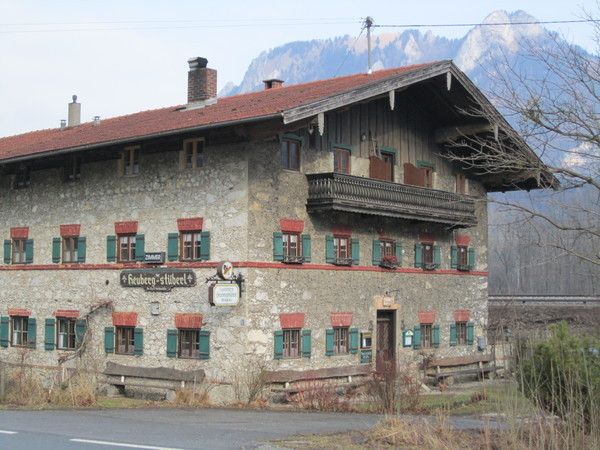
74 113
273 83
202 81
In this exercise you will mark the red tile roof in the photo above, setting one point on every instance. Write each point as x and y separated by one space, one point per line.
174 118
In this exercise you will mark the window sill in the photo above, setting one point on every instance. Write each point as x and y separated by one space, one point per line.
291 170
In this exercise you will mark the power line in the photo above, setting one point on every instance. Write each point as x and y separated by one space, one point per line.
348 52
485 24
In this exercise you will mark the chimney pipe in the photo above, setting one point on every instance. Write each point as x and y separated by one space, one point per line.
63 124
74 113
202 82
273 83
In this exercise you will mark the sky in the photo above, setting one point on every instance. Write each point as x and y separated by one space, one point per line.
122 57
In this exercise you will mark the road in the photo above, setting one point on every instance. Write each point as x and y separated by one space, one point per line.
161 429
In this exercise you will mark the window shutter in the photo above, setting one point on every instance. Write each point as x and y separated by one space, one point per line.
306 247
205 245
109 339
355 252
399 253
204 344
435 336
419 256
80 327
453 257
29 251
49 333
329 250
140 247
376 252
329 338
471 258
56 247
81 249
111 248
172 342
278 246
437 256
173 246
417 336
4 325
470 333
138 341
31 332
353 340
453 339
278 344
7 251
306 343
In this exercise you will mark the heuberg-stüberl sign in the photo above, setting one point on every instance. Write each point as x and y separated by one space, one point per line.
161 280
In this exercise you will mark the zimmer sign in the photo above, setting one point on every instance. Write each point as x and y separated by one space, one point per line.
158 280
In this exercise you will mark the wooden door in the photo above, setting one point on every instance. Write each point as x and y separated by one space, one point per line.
382 168
386 341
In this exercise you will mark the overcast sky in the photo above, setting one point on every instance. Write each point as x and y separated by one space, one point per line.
121 57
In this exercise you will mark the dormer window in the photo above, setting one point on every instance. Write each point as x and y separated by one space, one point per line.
22 177
72 169
131 161
192 154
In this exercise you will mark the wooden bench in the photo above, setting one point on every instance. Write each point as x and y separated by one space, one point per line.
120 375
462 365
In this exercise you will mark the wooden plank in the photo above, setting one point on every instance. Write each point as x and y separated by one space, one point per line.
157 373
449 134
460 360
288 376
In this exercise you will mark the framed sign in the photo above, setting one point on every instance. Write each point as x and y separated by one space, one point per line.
366 356
407 338
154 258
224 294
157 280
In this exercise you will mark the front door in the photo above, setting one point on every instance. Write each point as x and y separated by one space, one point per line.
386 341
382 168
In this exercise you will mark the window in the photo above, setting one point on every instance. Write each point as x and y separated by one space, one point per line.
291 245
193 153
341 160
291 343
340 340
290 154
388 248
72 169
426 336
19 331
126 244
65 333
69 249
189 344
125 341
18 251
190 245
427 255
461 184
461 333
340 246
463 259
22 177
131 161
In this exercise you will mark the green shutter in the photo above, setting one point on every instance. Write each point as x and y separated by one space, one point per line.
81 249
329 341
109 339
399 253
49 334
353 340
172 342
355 252
278 246
278 344
306 343
419 256
329 250
204 344
453 339
80 327
7 251
31 332
205 245
56 249
435 336
138 341
111 248
140 247
417 336
29 251
470 333
437 256
376 252
471 258
306 247
453 257
4 326
173 246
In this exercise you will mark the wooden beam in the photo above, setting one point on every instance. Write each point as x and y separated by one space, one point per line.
448 80
321 123
448 134
392 95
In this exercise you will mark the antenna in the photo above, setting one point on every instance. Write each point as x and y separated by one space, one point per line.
368 25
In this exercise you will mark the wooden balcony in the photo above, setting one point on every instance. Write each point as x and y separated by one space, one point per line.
338 192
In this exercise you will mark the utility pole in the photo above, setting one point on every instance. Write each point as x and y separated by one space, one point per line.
368 25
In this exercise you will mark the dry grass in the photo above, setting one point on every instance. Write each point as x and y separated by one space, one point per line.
196 396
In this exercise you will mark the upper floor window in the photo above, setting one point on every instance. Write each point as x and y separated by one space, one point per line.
341 160
22 177
19 251
72 169
69 249
463 260
191 245
291 245
420 175
126 246
131 161
388 248
340 247
193 153
290 154
428 256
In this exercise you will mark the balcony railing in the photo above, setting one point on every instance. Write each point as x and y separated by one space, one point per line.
338 192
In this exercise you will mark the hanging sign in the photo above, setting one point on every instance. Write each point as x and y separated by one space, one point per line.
157 280
224 294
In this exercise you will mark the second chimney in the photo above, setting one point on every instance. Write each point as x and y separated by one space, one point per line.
202 81
273 83
74 113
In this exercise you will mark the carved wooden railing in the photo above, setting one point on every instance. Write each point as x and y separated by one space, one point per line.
339 192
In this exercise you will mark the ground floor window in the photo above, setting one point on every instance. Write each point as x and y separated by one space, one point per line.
65 333
461 333
340 340
189 344
291 343
426 336
124 340
19 331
